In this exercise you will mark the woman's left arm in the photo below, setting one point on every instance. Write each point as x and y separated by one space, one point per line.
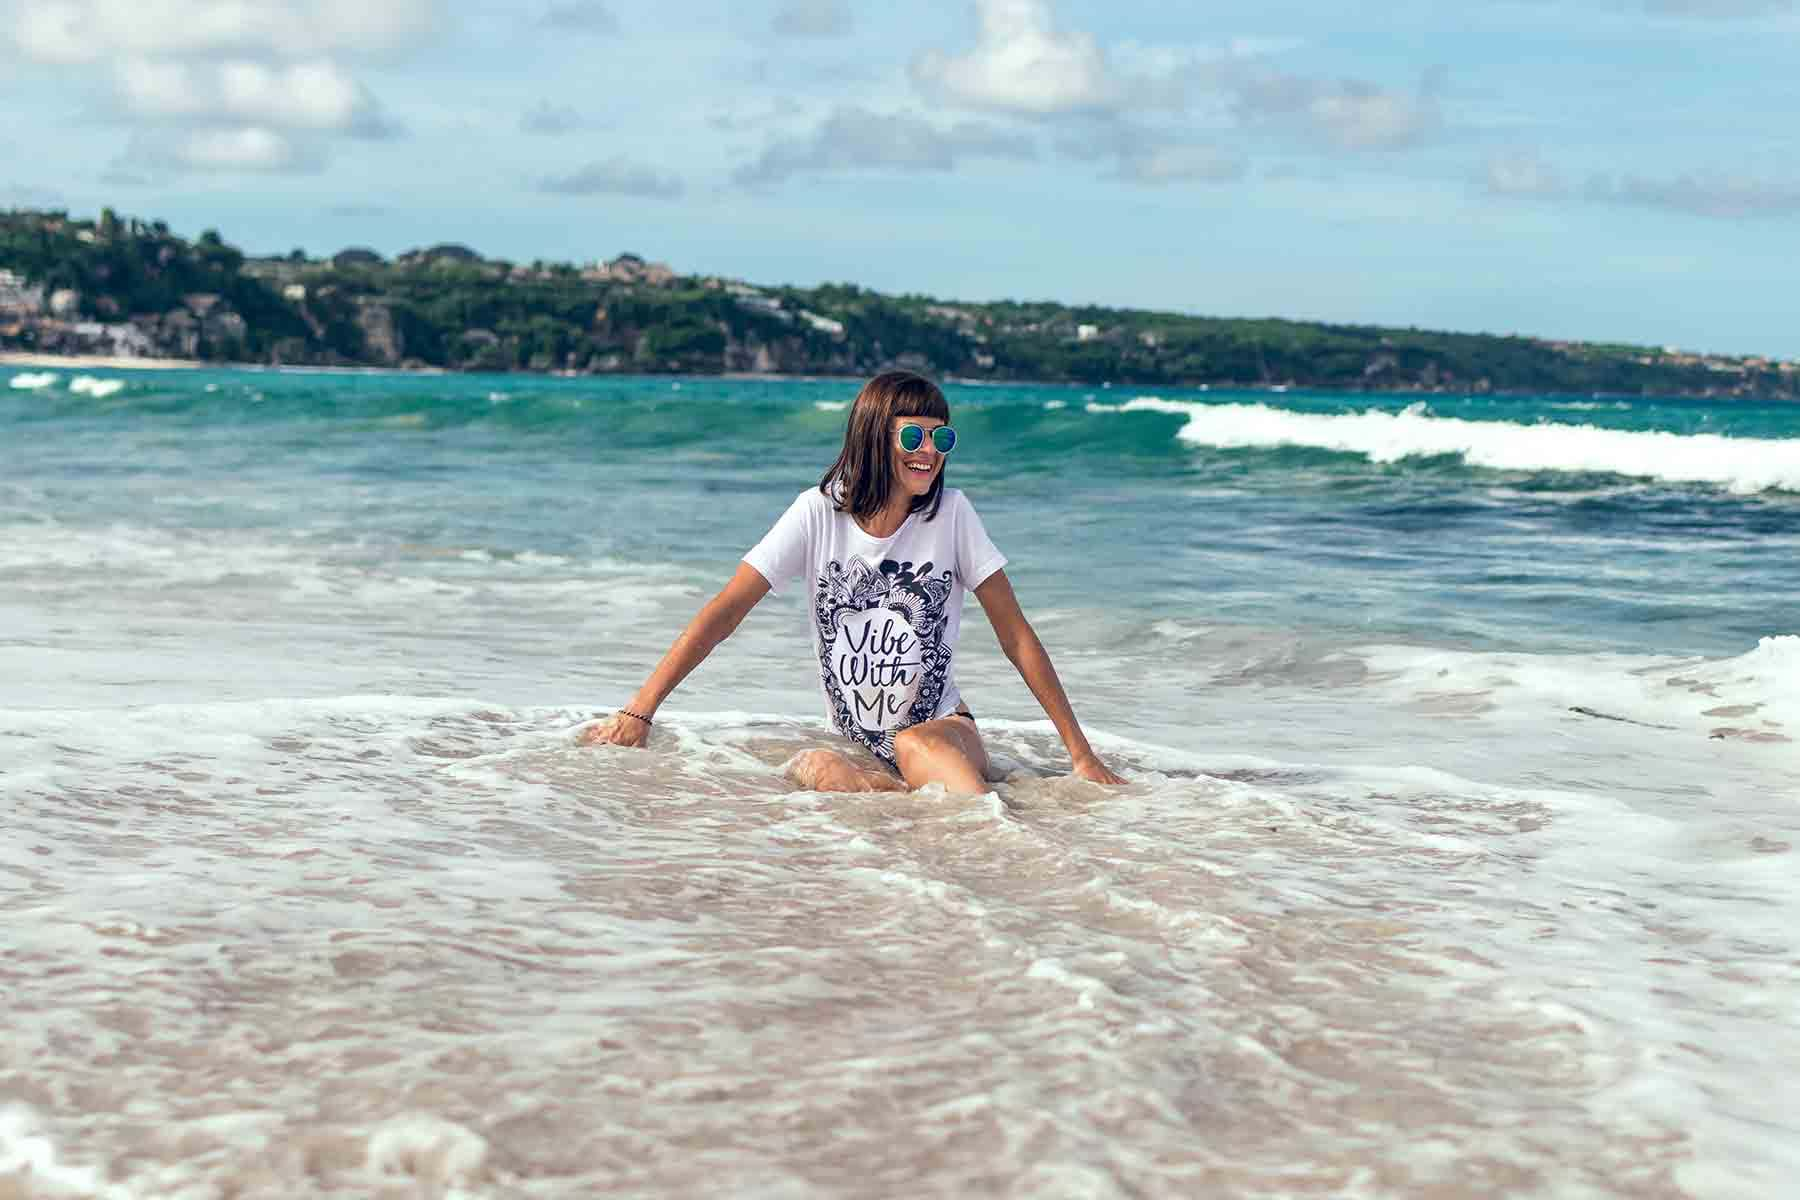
1020 643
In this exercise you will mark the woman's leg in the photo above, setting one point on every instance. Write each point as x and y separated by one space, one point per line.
947 751
830 771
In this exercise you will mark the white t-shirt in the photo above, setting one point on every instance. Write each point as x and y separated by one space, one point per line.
885 611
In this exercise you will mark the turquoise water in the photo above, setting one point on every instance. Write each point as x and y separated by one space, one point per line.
1457 856
1682 547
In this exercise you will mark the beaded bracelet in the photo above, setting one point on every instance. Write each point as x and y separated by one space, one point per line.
639 716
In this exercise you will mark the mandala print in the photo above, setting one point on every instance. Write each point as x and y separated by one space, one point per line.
917 596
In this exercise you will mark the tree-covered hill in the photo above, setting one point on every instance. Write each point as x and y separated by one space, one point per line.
125 286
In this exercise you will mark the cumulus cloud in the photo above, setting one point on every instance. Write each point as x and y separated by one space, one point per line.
244 148
852 137
813 18
1020 63
580 16
1726 196
550 119
84 31
227 85
316 95
1024 65
614 176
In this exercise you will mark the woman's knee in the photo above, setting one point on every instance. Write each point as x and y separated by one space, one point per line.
934 753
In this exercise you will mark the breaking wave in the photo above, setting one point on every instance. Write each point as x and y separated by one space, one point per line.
1742 464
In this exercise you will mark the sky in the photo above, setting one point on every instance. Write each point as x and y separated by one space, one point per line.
1602 170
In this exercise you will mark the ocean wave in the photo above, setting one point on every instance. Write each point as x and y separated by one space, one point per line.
99 389
1753 697
31 381
1743 465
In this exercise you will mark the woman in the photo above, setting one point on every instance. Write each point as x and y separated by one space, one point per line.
886 552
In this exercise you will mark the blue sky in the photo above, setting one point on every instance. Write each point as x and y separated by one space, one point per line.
1598 169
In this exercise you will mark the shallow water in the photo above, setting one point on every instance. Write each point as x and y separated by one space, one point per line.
311 891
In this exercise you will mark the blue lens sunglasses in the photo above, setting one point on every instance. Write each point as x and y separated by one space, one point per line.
943 438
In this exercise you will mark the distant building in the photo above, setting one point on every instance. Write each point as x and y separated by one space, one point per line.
1086 333
18 298
356 256
630 268
823 324
295 292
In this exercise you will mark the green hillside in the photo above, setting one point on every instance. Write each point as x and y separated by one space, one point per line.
116 285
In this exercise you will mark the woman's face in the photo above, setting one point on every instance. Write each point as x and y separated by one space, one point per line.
916 470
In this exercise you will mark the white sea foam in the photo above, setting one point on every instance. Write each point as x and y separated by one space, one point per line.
99 389
1741 464
31 381
831 405
594 955
1752 698
30 1161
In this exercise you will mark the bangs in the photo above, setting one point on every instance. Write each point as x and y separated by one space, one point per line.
921 400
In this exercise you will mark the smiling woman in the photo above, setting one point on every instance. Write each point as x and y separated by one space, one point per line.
888 553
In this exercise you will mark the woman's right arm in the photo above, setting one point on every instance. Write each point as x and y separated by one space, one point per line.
710 626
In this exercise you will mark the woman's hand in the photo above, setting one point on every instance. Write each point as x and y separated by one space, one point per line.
1090 768
616 730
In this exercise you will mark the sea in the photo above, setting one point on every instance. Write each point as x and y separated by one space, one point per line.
1457 857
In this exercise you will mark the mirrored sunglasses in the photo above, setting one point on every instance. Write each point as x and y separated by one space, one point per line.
943 438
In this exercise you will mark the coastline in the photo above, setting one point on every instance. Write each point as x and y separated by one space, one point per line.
101 362
106 362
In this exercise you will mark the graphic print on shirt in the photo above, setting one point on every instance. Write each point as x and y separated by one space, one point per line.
881 640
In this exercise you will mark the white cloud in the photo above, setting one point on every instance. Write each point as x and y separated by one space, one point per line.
83 31
853 137
316 95
813 18
616 176
247 148
1021 64
227 84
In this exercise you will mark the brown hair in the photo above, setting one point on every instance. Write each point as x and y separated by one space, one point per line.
859 481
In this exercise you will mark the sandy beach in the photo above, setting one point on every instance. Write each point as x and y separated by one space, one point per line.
90 362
